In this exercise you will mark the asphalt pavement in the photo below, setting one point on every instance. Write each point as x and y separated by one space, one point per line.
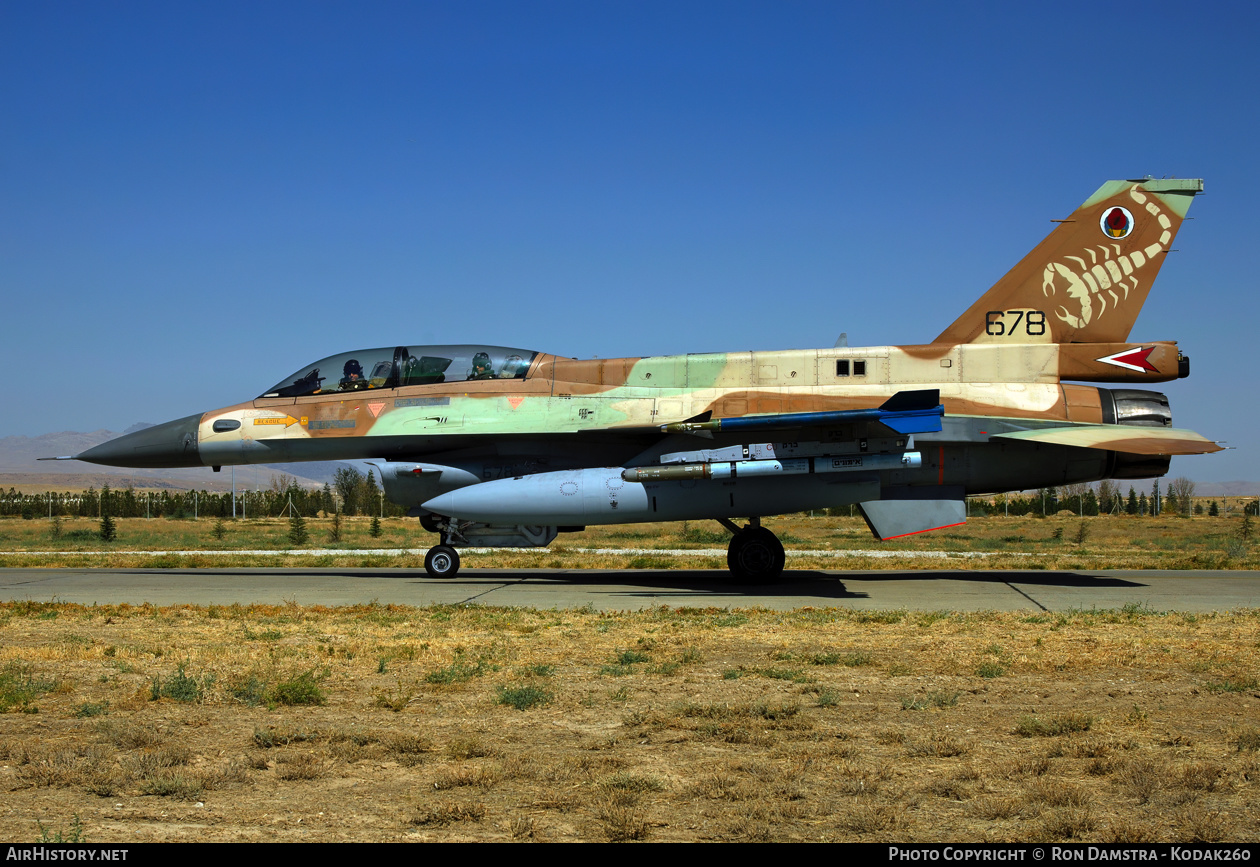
629 589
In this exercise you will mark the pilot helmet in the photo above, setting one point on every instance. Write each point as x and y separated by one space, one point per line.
481 361
352 368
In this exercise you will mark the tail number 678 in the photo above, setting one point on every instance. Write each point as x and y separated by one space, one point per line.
998 323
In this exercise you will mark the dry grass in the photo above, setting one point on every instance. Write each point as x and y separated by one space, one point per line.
1102 728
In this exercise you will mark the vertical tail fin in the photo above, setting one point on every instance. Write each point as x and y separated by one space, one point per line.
1087 281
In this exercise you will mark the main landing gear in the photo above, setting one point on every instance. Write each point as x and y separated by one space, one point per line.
755 555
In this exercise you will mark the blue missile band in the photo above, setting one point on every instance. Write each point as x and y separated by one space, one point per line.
908 421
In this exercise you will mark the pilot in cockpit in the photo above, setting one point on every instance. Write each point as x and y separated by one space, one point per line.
352 376
481 367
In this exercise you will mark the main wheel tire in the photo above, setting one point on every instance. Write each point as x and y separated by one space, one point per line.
442 561
755 556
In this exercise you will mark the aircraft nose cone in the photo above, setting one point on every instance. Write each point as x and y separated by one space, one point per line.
173 444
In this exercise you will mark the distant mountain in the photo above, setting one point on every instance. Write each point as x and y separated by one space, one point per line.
20 467
1227 489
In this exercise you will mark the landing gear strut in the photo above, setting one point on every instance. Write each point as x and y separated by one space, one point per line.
442 561
755 555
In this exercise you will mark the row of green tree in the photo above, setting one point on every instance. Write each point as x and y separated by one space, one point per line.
350 493
1106 498
353 493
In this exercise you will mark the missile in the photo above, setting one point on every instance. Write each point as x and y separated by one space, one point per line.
906 412
784 467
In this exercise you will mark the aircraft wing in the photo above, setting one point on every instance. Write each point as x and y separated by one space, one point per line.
1131 439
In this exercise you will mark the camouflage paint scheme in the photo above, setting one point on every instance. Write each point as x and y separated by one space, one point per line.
570 396
1064 312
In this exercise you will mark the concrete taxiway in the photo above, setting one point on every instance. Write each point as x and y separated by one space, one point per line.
619 590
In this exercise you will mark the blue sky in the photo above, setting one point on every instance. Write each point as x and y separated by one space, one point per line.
198 198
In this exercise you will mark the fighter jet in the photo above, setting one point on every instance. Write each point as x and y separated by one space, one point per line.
493 446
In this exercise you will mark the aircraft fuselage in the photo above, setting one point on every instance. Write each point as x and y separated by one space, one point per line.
498 446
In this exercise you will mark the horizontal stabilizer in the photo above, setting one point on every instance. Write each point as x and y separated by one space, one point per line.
906 412
1130 439
889 519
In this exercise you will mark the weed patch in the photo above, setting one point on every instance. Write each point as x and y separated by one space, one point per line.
180 686
1233 684
271 737
640 783
302 766
828 698
1066 724
1248 739
621 821
175 784
396 699
523 697
459 671
19 687
74 835
448 814
304 689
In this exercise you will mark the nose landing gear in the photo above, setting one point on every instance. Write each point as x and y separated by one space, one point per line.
442 561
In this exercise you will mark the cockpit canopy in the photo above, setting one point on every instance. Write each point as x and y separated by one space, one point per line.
394 366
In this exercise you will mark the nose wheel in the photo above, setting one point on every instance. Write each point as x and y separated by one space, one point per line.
442 561
755 556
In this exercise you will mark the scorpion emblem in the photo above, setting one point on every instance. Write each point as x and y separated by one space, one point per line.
1107 272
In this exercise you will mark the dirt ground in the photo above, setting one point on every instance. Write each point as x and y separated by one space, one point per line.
390 723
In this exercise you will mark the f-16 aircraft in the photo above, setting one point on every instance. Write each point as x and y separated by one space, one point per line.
492 446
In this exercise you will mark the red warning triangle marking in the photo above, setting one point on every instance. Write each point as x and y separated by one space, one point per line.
515 401
375 407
